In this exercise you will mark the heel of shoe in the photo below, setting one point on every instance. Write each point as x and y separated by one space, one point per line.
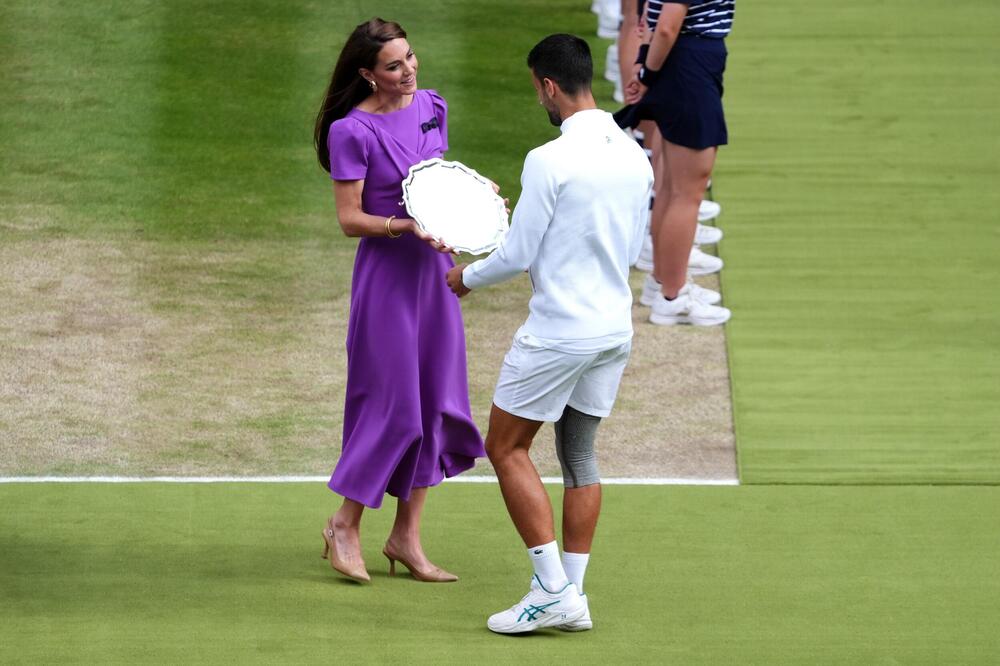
326 547
392 565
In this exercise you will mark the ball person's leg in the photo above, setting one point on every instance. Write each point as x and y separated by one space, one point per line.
688 171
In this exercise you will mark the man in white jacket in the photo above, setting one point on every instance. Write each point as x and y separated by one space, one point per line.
577 227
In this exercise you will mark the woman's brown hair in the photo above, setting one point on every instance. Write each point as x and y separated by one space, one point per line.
347 89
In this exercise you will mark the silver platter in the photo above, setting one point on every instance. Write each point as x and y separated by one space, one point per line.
455 204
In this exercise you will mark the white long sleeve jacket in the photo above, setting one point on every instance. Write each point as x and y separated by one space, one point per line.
577 227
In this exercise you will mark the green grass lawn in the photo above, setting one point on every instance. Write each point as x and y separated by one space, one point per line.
861 241
174 280
752 575
193 121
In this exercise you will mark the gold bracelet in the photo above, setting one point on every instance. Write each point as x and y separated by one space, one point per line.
388 229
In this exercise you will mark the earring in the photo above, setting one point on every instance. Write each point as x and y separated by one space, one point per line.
374 85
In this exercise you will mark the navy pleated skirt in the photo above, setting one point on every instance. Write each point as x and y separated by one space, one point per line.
686 100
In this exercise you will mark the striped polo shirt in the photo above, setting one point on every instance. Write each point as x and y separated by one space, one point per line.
705 18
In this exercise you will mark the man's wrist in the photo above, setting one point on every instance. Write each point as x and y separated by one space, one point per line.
469 276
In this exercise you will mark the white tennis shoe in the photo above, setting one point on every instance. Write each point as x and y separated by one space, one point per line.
705 235
583 624
687 309
540 608
611 71
708 210
645 260
608 19
700 263
651 292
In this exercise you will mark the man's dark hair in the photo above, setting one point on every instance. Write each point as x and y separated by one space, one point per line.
566 60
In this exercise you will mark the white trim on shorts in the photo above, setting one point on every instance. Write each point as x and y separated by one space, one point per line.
537 383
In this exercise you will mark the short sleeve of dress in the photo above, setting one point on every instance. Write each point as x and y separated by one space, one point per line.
349 144
441 114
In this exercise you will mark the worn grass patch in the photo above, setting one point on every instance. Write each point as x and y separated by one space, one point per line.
210 358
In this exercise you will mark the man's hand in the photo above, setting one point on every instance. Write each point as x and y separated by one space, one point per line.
454 279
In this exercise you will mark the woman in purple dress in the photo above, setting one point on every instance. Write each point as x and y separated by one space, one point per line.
407 420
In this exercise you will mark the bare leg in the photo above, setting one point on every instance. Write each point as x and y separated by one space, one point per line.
581 508
654 141
628 41
687 171
507 444
347 531
661 185
404 538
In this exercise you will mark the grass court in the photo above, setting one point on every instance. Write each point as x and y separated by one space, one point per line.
174 283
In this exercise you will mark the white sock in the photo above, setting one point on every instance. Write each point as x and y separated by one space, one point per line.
548 567
575 565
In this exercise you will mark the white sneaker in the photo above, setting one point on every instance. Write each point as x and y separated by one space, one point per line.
700 263
618 95
705 235
540 608
608 20
611 71
687 309
645 260
583 624
708 210
651 292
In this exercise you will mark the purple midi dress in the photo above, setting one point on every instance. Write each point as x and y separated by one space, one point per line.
407 420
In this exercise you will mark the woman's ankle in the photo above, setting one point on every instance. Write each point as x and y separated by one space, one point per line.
346 523
404 541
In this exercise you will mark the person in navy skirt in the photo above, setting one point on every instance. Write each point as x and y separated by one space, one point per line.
679 86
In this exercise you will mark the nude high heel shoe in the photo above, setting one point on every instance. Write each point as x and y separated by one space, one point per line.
435 575
354 571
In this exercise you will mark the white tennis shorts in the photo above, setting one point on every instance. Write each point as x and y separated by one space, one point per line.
537 383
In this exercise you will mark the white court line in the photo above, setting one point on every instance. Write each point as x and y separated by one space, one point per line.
622 481
615 481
